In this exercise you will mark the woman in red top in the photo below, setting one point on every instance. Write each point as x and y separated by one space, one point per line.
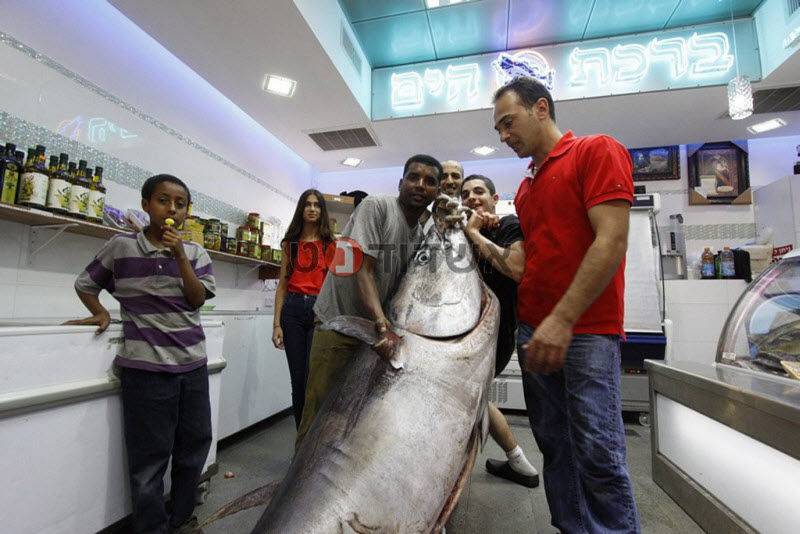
303 270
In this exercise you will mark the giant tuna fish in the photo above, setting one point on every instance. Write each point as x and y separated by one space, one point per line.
392 446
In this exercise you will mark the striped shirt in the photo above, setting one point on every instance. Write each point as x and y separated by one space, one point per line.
161 330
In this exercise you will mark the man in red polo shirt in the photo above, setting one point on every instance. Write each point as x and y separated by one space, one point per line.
573 206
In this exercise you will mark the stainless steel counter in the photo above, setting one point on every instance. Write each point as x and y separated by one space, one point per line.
746 424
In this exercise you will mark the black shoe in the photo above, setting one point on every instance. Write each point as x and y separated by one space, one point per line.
190 526
501 469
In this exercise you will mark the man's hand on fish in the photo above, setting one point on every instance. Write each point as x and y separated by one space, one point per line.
480 220
387 345
546 351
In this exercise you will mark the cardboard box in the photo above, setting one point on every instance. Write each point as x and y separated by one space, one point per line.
339 198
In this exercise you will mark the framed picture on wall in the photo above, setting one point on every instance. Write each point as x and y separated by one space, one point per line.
655 163
718 174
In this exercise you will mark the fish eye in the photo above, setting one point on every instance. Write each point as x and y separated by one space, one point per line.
424 256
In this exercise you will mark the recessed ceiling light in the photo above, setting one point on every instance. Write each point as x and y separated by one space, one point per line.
483 150
441 3
351 162
279 85
766 126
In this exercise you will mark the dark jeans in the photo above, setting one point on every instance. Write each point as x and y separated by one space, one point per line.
576 418
297 323
165 415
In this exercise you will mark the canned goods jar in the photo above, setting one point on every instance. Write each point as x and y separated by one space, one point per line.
254 220
230 246
243 233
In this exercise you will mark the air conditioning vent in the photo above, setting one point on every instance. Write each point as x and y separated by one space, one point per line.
498 393
350 49
774 100
343 139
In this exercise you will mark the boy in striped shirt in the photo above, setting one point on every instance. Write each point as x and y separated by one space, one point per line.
160 283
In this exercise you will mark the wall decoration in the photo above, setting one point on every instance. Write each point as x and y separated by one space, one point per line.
655 163
718 174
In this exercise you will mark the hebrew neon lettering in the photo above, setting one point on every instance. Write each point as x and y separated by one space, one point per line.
462 79
582 61
434 81
672 50
713 51
407 90
630 63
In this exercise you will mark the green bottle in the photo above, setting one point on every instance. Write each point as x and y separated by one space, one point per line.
9 174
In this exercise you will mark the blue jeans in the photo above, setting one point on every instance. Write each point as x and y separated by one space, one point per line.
297 323
576 418
165 415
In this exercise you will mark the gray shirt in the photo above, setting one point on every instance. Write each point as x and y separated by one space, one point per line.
162 330
379 227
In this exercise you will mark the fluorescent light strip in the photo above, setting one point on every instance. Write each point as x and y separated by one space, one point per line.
766 126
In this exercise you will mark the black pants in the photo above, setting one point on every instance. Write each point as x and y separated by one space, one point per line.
297 323
165 415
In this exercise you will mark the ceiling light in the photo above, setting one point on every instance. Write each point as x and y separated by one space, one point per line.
740 98
441 3
351 162
483 150
766 126
279 85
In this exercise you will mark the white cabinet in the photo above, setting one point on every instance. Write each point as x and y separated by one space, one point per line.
777 205
256 383
61 443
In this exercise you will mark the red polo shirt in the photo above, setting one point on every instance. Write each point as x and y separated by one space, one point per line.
552 206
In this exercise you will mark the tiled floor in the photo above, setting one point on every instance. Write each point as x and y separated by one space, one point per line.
488 505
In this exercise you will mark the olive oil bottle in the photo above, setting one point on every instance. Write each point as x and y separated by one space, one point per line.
58 194
9 174
97 196
34 180
79 192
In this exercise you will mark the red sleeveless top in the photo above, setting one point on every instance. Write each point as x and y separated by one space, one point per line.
309 267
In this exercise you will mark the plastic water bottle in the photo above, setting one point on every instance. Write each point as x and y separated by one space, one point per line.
727 264
707 268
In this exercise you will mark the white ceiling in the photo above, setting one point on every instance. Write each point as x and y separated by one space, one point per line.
234 48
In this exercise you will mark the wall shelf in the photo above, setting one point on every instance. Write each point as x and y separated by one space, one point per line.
37 218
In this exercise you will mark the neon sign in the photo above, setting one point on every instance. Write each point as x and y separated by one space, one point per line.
94 130
696 56
701 56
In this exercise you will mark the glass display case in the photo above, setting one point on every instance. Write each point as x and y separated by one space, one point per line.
762 332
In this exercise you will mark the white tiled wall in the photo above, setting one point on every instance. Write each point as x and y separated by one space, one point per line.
698 310
42 285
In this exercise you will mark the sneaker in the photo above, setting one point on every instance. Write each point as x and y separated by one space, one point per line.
500 468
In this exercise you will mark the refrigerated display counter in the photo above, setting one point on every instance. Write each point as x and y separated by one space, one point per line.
726 435
63 460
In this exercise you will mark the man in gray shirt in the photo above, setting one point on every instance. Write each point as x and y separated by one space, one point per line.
383 234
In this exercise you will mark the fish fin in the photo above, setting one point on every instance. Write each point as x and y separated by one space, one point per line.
349 325
484 427
257 497
361 329
466 472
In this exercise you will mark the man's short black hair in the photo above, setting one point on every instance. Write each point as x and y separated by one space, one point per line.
489 183
529 91
430 161
151 183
